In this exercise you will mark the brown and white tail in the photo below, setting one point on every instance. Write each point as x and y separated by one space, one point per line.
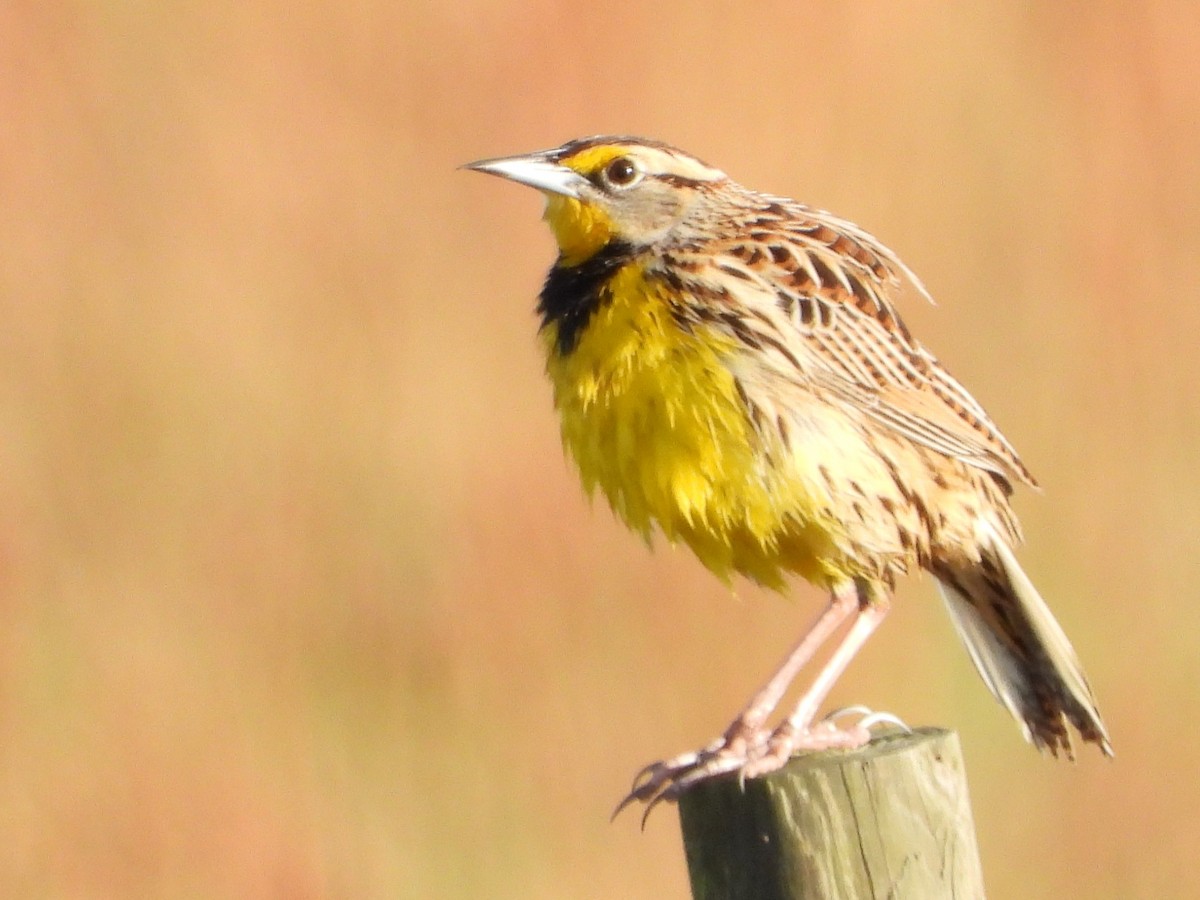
1019 649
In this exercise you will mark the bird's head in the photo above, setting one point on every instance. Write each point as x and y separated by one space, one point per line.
601 189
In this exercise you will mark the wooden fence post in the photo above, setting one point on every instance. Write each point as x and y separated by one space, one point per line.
890 820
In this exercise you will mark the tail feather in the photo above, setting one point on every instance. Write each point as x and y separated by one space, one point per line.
1020 650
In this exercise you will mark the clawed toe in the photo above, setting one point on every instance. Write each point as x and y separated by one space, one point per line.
869 718
667 780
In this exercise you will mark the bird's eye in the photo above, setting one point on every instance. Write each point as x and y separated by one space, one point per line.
621 172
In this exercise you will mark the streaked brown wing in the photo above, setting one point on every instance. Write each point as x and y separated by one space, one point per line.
834 284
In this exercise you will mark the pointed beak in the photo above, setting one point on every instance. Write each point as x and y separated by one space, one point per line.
538 170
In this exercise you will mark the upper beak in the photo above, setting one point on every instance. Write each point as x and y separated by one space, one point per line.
538 170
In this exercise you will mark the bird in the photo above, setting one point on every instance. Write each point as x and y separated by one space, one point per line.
730 370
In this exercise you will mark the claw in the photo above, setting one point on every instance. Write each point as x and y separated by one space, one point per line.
870 720
641 774
625 801
856 709
667 780
650 779
649 809
646 789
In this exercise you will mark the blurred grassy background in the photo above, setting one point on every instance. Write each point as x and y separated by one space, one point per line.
298 596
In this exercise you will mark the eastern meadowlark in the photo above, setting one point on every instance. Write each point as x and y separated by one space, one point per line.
730 369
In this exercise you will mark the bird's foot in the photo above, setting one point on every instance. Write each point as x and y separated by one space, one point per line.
748 752
787 740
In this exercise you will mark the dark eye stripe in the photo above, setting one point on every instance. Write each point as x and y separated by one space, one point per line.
678 180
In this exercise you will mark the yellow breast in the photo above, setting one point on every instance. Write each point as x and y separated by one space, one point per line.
651 414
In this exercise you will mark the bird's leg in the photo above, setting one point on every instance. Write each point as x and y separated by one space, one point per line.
797 731
771 751
747 730
747 737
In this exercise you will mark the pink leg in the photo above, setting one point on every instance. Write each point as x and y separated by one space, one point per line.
749 722
796 732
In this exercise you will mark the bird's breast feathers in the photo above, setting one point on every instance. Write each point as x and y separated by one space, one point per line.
652 413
